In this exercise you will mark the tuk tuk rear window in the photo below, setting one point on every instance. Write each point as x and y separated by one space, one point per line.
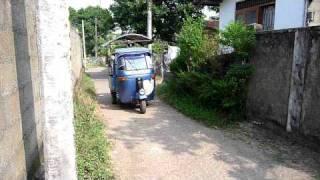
135 62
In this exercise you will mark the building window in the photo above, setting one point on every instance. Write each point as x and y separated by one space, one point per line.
251 17
268 17
248 16
263 14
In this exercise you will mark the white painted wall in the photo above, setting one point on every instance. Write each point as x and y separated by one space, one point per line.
289 14
54 50
227 13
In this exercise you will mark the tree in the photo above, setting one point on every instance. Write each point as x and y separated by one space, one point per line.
168 16
191 41
240 37
105 23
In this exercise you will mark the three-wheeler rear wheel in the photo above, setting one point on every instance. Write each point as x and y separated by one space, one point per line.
143 106
114 98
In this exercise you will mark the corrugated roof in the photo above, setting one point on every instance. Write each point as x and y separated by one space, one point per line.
130 39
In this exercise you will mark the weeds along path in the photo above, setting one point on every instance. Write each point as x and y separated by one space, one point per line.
164 144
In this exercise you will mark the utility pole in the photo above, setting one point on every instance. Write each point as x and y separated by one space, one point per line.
84 47
96 37
149 21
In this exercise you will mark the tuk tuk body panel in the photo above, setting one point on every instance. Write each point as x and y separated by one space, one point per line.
127 88
124 82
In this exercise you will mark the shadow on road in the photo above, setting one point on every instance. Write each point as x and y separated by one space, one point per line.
249 155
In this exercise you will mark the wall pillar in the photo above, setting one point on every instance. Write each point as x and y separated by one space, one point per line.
54 52
12 152
300 58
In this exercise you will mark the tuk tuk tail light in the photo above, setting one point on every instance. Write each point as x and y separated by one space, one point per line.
122 78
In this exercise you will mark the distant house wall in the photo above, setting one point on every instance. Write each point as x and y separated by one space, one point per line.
289 14
285 85
227 13
314 13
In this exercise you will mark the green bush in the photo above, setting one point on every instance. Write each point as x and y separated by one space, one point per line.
191 41
189 82
215 82
92 147
240 37
159 47
228 94
196 46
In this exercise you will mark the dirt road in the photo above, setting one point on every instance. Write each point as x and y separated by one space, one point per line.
164 144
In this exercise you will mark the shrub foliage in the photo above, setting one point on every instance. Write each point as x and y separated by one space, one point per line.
240 37
93 161
216 82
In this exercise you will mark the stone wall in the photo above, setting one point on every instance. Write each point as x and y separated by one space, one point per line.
285 87
12 154
21 98
310 121
29 79
76 55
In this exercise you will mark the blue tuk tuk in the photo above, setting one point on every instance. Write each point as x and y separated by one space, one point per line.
132 77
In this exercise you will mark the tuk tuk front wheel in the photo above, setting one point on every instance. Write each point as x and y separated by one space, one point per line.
143 106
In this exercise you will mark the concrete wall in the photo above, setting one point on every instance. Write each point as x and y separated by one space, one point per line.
29 80
227 13
289 14
76 55
270 84
285 87
21 98
12 154
310 122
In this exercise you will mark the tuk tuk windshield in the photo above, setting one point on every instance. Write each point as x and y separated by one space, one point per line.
135 62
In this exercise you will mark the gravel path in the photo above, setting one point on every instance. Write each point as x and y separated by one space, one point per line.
164 144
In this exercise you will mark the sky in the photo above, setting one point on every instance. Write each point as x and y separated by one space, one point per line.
78 4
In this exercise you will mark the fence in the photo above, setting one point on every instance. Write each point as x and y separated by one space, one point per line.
285 87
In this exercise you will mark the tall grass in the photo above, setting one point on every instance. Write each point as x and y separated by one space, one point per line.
93 161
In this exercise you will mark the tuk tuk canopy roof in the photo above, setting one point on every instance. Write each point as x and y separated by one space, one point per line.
130 39
131 50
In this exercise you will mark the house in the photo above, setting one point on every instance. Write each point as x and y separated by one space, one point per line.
270 14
